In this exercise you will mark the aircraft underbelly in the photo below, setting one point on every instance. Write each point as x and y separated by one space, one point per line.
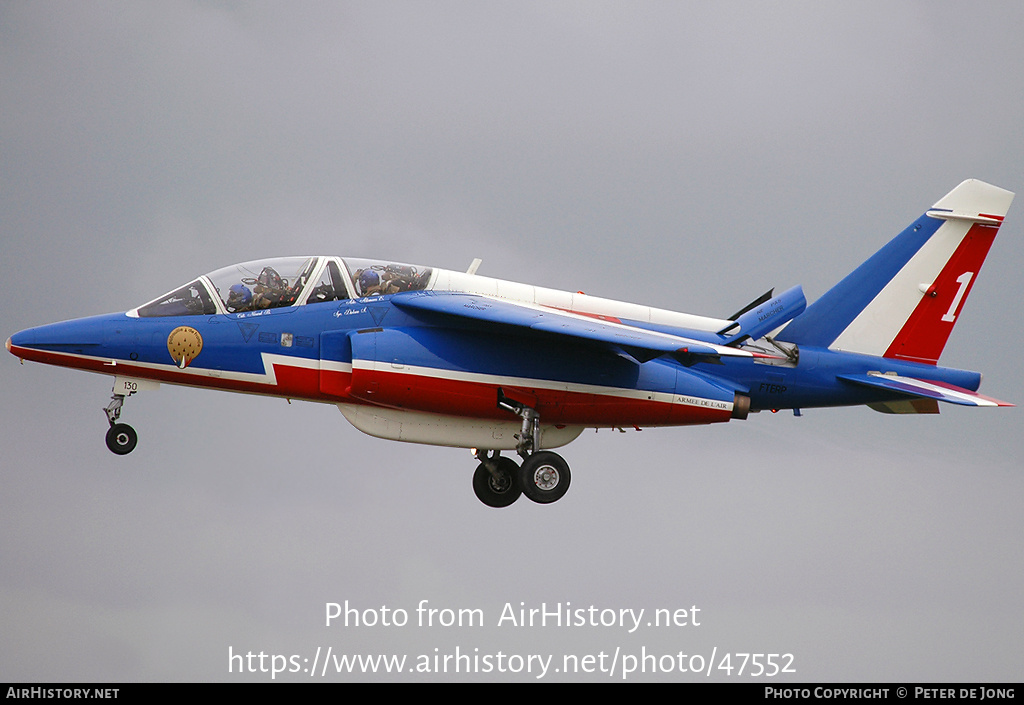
457 374
453 431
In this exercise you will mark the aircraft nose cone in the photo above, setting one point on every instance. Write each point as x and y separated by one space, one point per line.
55 336
82 336
80 343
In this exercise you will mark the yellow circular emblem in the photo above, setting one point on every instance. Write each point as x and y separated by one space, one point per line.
184 344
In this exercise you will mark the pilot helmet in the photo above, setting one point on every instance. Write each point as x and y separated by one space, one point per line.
239 295
368 279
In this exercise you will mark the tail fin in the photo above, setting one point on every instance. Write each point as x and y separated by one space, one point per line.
903 301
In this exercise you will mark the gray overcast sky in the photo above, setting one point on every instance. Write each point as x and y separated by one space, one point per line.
683 155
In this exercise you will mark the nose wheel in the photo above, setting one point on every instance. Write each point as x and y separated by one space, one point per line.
121 438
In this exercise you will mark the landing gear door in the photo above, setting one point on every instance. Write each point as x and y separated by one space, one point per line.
127 386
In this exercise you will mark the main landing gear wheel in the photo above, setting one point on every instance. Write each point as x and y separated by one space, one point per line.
121 438
544 477
499 488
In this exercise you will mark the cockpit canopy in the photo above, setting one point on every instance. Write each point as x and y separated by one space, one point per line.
286 281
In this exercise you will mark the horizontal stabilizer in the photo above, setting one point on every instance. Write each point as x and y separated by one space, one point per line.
924 389
766 317
639 343
911 405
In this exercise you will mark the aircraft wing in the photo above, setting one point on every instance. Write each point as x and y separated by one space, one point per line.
638 343
924 389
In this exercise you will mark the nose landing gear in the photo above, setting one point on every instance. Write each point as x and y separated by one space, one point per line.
121 438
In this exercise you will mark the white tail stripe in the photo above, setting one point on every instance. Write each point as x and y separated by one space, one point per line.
875 327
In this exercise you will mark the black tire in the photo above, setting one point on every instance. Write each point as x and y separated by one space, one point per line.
544 477
122 439
501 492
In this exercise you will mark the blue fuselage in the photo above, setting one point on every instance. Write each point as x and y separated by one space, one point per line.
371 351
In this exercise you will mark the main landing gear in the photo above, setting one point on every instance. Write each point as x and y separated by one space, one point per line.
543 477
121 438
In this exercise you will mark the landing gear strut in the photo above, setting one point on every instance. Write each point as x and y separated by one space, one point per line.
543 477
121 438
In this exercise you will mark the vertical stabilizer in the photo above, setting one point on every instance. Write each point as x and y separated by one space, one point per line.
904 300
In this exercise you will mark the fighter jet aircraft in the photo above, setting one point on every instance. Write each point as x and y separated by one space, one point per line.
427 355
